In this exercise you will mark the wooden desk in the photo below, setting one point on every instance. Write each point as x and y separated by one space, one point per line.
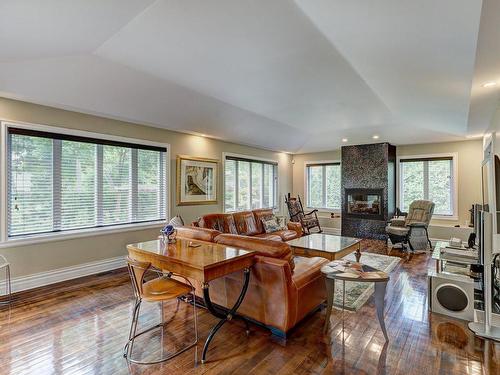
204 263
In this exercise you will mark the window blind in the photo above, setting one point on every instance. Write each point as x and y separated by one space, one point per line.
249 184
323 185
60 182
429 178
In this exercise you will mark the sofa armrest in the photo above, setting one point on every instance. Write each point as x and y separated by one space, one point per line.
297 227
307 270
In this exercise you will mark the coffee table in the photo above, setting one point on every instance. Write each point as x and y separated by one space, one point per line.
328 246
359 273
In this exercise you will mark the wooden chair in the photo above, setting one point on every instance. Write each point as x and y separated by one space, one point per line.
308 220
160 289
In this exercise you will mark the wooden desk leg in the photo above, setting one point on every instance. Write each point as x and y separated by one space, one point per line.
380 305
330 294
224 316
358 252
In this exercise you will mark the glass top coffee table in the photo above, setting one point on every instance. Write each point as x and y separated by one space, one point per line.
328 246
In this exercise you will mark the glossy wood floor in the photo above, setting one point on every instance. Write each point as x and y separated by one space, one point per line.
80 327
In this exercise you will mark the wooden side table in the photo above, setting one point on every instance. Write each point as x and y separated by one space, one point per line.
356 272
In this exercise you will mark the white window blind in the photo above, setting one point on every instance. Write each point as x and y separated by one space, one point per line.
58 182
323 185
428 178
249 184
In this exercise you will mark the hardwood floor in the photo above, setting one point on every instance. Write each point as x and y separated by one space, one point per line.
80 327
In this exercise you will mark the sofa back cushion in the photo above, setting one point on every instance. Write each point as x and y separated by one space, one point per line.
222 222
245 223
200 234
264 247
262 213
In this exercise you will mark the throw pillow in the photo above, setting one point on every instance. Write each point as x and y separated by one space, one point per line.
271 224
176 221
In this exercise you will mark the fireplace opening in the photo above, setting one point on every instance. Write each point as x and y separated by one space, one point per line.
364 203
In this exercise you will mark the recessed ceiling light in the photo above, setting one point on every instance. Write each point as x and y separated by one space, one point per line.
344 140
489 84
375 136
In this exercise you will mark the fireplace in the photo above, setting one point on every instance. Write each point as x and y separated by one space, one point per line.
364 203
368 189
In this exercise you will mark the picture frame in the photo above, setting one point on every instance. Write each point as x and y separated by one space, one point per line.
197 180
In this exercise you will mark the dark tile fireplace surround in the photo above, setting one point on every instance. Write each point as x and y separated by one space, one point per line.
368 189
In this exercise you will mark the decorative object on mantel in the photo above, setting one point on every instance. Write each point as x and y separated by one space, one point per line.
196 180
169 233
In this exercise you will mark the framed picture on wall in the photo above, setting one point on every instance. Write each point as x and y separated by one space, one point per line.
196 180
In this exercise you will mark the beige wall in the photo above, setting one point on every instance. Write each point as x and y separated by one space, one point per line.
56 254
63 253
469 172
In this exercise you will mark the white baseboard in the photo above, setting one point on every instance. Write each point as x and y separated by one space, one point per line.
67 273
328 230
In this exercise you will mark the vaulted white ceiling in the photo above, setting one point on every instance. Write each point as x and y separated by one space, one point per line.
296 76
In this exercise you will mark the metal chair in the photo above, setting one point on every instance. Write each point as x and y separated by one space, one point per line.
160 289
8 288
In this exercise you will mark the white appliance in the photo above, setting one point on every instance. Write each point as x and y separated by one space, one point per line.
451 295
490 231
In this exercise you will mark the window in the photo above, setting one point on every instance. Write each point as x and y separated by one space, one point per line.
429 178
323 186
59 182
249 184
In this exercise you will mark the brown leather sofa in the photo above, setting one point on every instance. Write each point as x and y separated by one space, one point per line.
248 223
283 288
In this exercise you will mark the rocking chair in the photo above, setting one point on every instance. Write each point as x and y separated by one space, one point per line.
308 220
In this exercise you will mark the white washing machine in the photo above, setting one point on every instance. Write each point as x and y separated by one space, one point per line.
452 295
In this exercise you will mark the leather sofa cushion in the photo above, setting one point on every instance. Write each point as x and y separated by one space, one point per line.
200 234
286 234
269 236
260 214
262 246
245 223
222 222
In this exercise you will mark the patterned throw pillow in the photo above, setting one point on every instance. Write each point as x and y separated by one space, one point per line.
176 221
271 224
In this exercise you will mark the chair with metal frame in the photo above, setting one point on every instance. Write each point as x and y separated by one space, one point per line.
411 228
160 289
8 287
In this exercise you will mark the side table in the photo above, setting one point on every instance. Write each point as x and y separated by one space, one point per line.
349 271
